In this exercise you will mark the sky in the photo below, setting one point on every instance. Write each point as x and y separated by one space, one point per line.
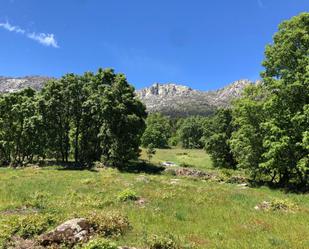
204 44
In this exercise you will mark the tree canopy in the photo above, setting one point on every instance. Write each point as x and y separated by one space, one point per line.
86 118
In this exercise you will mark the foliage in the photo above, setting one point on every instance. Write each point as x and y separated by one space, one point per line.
266 132
285 205
88 117
30 225
150 151
160 242
21 129
110 224
246 141
217 133
286 76
100 243
127 195
190 132
158 131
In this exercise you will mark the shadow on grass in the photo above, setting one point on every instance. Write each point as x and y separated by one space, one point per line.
141 167
290 188
69 166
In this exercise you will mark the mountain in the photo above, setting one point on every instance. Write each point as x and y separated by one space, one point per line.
170 99
9 84
177 100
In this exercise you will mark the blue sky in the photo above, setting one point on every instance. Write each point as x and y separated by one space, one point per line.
200 43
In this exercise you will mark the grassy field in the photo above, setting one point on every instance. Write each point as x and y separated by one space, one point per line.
194 157
197 213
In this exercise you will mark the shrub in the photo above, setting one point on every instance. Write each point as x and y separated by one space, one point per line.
127 195
109 224
283 205
100 244
160 242
29 226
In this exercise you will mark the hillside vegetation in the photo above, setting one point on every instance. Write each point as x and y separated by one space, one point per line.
192 212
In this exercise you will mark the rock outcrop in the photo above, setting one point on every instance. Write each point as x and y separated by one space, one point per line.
71 232
178 100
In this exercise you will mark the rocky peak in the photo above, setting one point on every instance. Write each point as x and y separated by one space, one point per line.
180 100
162 90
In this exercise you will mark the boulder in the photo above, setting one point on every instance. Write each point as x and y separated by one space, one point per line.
70 232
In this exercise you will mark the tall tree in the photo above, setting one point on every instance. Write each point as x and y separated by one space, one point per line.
123 122
286 76
217 134
247 140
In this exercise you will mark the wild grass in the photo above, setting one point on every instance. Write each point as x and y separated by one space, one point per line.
196 213
196 158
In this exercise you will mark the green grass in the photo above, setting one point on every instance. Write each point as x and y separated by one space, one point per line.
203 214
194 157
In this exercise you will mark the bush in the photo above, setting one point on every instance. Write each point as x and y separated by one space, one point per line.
109 224
283 205
29 226
127 195
100 244
160 242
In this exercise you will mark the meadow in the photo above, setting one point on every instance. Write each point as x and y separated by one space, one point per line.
197 213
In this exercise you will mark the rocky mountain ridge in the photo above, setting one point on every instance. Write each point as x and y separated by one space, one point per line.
10 84
178 100
170 99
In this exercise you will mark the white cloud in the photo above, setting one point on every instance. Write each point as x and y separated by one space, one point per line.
12 28
45 39
42 38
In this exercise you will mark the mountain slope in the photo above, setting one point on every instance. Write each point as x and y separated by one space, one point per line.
8 84
178 100
170 99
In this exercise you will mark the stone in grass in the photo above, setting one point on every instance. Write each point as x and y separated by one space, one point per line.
70 232
141 202
191 173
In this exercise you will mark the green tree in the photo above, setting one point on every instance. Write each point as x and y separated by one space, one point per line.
54 108
247 140
123 122
286 76
150 151
92 117
190 132
158 131
22 135
217 135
